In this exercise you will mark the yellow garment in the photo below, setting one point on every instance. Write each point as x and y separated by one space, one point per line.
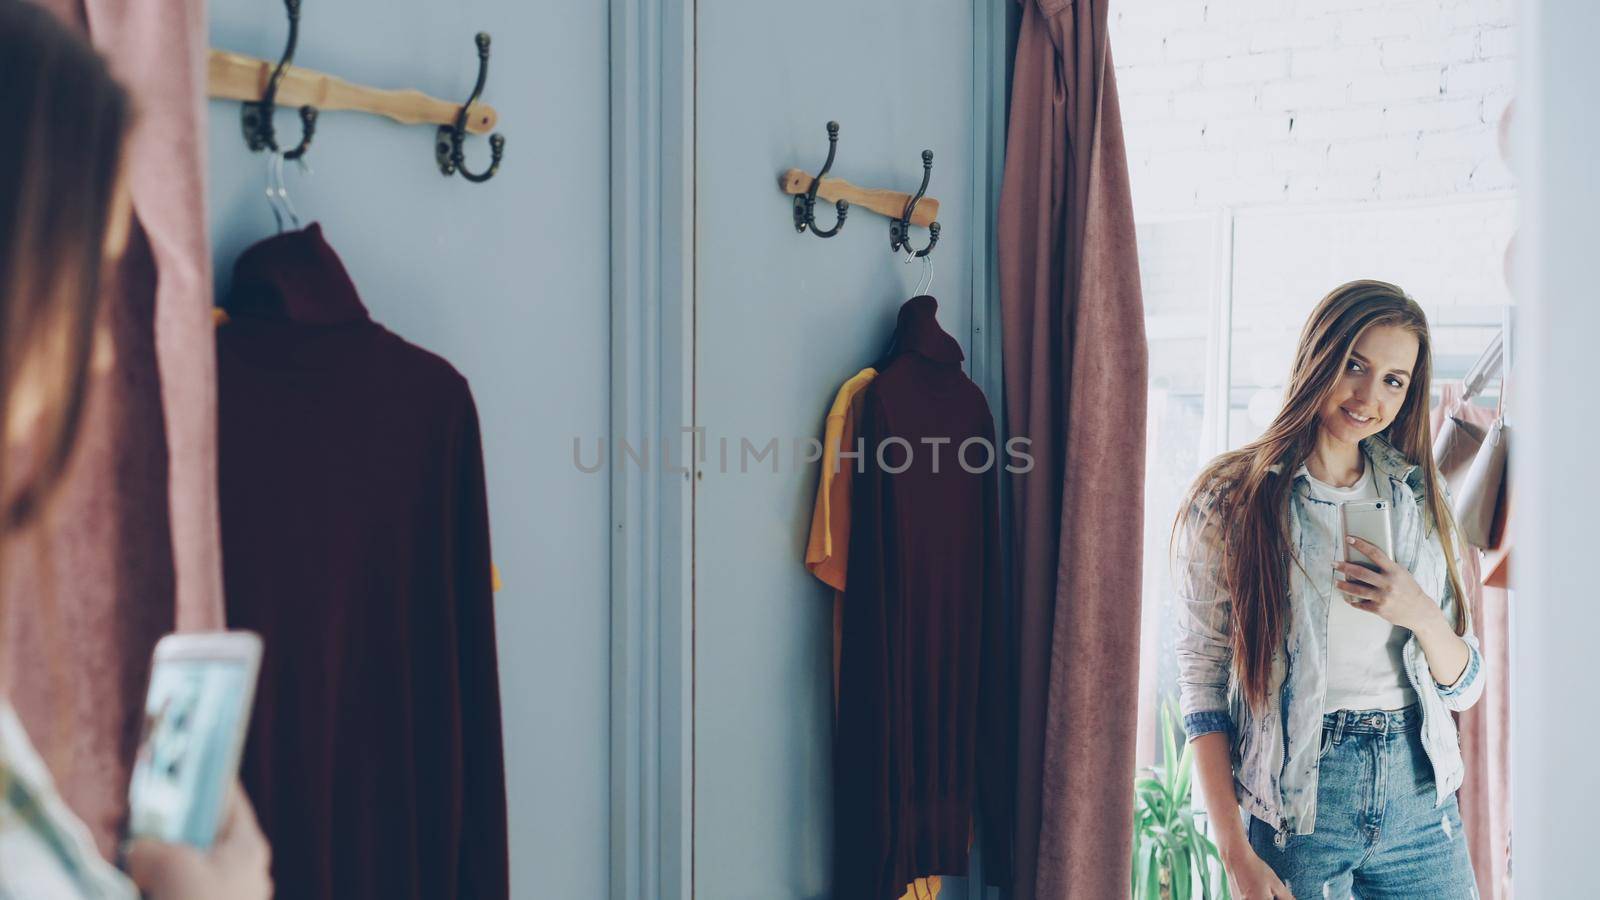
828 547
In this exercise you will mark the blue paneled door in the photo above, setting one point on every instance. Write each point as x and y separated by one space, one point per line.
781 319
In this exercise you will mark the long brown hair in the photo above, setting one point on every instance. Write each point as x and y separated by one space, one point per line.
64 119
1246 507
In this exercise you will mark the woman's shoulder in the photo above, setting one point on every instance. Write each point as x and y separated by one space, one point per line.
1218 481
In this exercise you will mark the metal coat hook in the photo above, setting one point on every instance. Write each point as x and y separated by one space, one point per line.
805 205
256 117
448 145
900 229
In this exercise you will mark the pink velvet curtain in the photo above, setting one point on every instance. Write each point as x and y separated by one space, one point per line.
129 549
1075 382
1485 794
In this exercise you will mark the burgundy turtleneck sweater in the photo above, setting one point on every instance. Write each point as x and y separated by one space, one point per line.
356 542
925 721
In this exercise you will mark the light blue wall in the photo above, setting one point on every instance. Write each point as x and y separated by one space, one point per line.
508 281
781 320
513 282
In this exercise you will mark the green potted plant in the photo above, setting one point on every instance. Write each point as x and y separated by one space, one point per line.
1172 855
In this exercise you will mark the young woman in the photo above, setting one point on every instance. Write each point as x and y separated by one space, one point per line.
1317 693
64 213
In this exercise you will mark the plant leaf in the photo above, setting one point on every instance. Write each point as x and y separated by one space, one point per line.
1169 759
1180 788
1152 885
1179 856
1198 842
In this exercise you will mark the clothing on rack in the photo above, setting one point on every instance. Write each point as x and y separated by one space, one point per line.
828 547
356 542
923 700
1485 729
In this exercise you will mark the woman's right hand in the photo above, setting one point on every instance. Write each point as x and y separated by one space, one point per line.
1250 878
237 867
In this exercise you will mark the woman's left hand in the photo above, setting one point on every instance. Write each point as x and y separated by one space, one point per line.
1389 592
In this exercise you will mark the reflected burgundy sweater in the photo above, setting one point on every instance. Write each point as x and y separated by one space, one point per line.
925 722
356 542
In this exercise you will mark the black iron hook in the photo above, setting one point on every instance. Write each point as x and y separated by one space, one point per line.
256 116
805 205
448 146
900 229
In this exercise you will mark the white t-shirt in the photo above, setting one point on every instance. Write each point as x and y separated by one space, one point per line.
1365 667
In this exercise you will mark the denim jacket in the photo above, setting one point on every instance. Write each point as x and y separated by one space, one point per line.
1276 755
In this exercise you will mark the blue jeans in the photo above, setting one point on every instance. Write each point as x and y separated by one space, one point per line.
1378 835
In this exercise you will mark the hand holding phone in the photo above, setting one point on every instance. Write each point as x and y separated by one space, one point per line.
196 713
238 865
1370 521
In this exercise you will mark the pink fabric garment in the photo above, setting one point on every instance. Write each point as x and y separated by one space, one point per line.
159 51
1485 794
1075 376
91 587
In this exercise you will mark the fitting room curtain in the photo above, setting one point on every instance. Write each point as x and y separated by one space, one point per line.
1075 382
129 548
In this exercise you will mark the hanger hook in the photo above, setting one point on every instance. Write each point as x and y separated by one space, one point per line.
283 190
925 283
900 229
449 145
278 193
256 117
805 205
272 190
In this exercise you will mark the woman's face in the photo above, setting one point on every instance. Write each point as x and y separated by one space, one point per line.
1372 389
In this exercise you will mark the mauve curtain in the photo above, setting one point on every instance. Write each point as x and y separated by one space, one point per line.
1075 382
129 548
1485 793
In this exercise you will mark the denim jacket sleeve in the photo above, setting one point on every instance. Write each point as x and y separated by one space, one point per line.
1468 687
1203 610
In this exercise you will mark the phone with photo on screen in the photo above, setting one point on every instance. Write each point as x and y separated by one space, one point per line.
196 713
1368 520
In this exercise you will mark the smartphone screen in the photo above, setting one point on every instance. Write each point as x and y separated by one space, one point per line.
195 714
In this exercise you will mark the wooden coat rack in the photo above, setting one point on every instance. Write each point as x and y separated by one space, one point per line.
903 210
234 76
263 85
882 201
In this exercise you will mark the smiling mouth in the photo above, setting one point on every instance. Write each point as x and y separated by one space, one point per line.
1355 419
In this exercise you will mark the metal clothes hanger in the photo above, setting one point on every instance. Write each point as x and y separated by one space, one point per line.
283 210
925 283
1490 364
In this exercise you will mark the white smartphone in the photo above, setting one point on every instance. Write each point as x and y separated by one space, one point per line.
202 685
1369 520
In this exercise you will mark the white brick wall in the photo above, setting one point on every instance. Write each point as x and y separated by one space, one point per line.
1261 102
